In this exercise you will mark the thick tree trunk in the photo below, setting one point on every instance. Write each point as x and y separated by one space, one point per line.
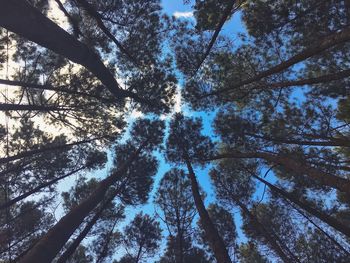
45 149
322 45
23 19
211 233
51 243
37 189
298 167
319 214
72 247
271 240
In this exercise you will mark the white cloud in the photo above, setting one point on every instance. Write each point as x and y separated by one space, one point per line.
178 14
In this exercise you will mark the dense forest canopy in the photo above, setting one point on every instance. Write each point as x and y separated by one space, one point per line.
132 133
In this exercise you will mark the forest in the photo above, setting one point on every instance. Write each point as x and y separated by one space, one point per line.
175 131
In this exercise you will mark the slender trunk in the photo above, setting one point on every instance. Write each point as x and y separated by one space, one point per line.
321 45
36 27
271 240
43 150
95 15
330 142
211 233
51 243
49 87
315 212
299 167
72 247
104 251
138 254
227 12
37 189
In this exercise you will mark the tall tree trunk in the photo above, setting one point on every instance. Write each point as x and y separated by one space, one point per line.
51 243
271 239
211 233
315 212
298 167
74 245
321 45
25 20
37 189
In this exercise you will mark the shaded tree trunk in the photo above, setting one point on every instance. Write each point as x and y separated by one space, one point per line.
36 27
72 247
51 243
211 233
298 167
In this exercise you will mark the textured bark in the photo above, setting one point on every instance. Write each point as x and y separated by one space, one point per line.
296 166
36 27
51 243
37 189
315 212
211 233
322 45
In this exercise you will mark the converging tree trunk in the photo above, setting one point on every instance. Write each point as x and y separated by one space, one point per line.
211 233
51 243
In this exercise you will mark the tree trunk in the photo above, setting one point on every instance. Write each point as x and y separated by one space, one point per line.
271 240
319 214
211 233
37 189
298 167
72 247
25 20
321 45
51 243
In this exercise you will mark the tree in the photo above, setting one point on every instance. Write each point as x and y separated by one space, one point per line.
141 237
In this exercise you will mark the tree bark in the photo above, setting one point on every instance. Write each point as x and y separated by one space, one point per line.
298 167
211 233
315 212
25 20
51 243
37 189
